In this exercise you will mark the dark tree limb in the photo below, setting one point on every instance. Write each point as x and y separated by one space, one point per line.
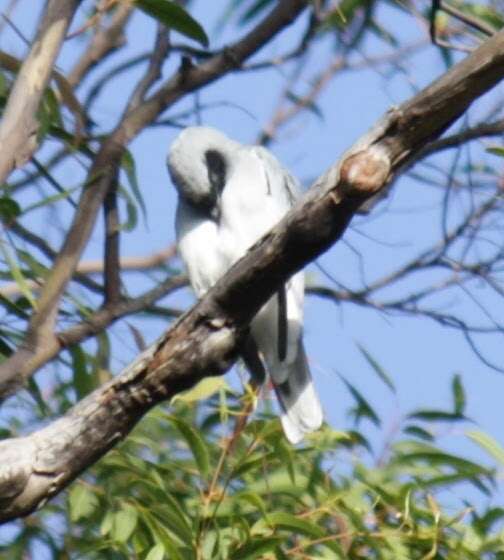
206 339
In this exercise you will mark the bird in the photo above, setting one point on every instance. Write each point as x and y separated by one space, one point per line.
229 196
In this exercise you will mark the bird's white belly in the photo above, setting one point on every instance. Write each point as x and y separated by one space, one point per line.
200 249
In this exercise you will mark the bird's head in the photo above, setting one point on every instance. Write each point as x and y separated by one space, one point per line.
199 162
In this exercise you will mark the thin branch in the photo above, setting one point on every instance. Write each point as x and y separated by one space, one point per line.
159 259
482 130
110 313
42 245
105 41
474 22
307 100
153 72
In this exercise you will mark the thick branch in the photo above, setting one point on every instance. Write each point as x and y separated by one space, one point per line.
19 123
205 341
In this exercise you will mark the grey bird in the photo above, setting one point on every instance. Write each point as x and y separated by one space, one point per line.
230 195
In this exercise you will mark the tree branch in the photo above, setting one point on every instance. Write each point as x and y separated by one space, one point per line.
126 264
104 42
205 341
19 123
481 130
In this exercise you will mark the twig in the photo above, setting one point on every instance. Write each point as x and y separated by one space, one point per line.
104 42
153 72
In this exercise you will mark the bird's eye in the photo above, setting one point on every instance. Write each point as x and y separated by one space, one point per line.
216 166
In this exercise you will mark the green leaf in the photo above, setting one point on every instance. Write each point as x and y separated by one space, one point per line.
82 502
363 408
485 13
131 211
16 308
83 381
5 349
496 150
124 523
9 209
163 536
17 274
173 518
37 269
343 15
376 367
254 500
485 523
156 552
459 399
255 548
4 86
50 199
298 526
257 7
36 393
436 416
283 520
488 443
48 113
174 17
107 523
438 458
286 454
202 390
418 432
128 164
196 445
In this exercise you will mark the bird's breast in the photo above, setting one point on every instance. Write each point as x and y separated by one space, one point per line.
200 249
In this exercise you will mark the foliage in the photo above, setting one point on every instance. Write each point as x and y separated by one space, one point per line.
182 487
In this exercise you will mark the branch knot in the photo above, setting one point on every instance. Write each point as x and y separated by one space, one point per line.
366 172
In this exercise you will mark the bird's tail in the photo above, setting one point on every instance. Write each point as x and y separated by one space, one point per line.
301 408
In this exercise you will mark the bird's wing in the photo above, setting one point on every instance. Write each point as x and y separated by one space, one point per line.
284 190
266 332
258 193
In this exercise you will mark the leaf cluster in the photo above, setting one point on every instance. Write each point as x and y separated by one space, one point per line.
183 486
